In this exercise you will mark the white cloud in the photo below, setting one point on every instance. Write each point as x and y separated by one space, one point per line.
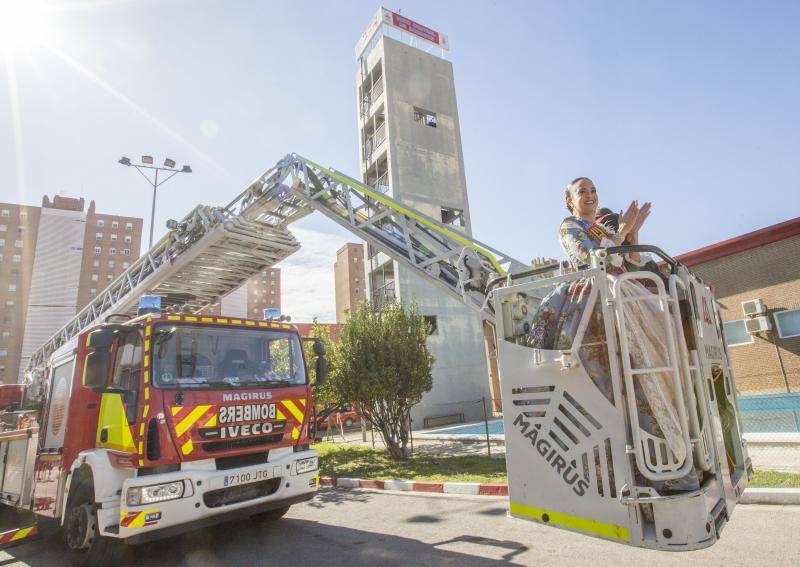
307 283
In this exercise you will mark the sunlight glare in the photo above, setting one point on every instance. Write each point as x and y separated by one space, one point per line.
22 22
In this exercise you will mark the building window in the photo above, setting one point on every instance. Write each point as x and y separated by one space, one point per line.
114 224
111 263
788 323
23 215
101 223
126 251
94 277
2 242
355 260
453 217
97 250
128 226
126 265
433 324
18 244
113 238
9 303
5 213
98 236
128 239
12 287
112 251
1 257
425 117
96 263
736 334
109 277
356 279
93 291
357 290
6 335
3 228
3 352
16 259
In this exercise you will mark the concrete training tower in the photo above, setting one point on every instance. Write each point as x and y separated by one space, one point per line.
410 149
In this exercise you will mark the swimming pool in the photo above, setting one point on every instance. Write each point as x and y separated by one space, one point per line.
770 413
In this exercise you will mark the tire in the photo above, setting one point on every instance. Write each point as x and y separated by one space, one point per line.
270 515
80 534
348 422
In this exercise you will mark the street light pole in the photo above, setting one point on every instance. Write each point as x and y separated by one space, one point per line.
147 163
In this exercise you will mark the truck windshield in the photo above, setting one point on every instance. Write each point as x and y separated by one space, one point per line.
206 357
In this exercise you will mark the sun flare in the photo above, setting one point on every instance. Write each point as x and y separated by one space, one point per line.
22 22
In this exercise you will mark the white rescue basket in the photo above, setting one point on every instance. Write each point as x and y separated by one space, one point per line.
582 459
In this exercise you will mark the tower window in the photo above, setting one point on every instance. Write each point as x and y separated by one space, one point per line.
425 117
453 217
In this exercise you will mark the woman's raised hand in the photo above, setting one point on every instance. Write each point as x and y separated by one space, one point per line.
644 212
627 222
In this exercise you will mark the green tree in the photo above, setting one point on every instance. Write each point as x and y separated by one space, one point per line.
383 364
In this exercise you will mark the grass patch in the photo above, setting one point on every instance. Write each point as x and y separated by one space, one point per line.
773 479
348 461
363 462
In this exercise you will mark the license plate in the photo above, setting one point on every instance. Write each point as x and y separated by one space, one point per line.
236 479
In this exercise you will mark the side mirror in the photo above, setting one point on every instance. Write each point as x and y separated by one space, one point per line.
97 369
322 369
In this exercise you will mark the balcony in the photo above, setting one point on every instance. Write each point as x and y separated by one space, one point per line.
374 142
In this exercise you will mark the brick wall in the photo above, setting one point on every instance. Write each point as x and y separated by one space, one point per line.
771 273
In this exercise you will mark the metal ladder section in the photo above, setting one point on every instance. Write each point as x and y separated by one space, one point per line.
457 263
214 250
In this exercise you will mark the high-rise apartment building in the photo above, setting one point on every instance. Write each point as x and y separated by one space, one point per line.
410 149
260 292
53 259
349 279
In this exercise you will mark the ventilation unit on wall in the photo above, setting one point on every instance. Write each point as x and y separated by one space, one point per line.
757 325
753 307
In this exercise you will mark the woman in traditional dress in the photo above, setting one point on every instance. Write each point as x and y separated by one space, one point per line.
558 317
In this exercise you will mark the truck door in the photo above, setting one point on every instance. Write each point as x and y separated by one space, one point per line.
118 410
49 462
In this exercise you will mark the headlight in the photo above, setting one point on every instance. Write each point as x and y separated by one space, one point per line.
305 465
155 493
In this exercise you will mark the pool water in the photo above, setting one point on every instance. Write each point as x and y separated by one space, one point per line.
771 413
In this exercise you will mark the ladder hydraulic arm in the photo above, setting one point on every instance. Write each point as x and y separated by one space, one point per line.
214 250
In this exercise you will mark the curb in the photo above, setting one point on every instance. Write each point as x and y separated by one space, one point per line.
784 496
473 488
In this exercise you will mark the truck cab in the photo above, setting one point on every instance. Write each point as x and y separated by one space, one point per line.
159 423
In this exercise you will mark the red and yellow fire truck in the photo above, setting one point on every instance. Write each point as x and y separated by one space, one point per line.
144 427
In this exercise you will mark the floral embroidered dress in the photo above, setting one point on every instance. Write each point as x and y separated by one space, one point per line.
558 317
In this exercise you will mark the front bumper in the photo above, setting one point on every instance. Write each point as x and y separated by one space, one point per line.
211 496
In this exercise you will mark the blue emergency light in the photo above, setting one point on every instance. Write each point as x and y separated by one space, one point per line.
149 304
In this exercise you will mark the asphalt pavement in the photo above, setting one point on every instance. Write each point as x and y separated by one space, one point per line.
357 528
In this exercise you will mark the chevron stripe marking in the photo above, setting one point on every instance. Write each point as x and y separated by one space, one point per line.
190 419
294 410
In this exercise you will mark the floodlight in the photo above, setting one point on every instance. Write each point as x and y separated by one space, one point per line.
169 162
147 159
124 161
186 169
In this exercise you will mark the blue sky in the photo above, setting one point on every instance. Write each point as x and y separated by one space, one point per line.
693 106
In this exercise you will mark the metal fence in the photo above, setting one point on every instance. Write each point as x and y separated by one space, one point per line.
771 425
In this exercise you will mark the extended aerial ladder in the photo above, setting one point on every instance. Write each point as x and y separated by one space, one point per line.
214 250
598 462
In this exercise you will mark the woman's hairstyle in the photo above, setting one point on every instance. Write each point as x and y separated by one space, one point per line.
570 187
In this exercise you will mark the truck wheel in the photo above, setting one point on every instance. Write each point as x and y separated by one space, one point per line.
270 515
84 543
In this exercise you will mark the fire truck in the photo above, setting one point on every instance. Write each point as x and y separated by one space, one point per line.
140 423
